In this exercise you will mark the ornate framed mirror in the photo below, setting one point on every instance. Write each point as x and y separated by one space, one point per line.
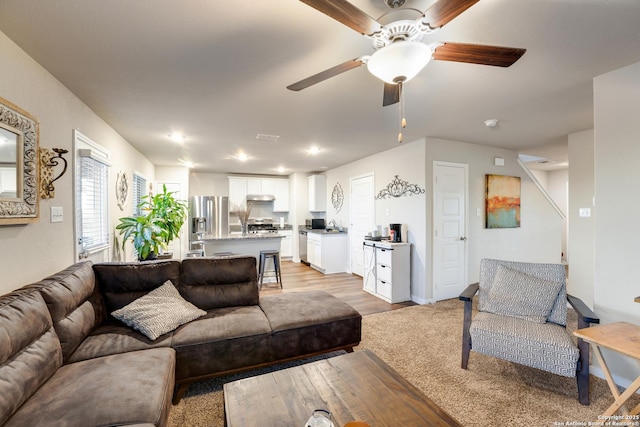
19 137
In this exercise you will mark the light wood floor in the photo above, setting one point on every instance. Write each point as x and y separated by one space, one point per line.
298 277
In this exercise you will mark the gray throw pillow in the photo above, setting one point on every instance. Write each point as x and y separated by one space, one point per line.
158 312
520 295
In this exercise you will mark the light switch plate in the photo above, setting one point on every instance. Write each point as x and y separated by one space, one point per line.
56 214
584 212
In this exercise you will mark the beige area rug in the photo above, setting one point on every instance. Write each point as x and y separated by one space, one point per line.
423 344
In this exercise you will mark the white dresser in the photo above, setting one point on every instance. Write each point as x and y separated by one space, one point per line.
387 270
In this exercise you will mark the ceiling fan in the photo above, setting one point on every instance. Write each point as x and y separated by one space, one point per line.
399 53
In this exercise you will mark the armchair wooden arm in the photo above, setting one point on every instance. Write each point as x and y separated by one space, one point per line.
467 296
585 314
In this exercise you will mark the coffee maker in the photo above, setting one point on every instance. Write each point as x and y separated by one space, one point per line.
397 237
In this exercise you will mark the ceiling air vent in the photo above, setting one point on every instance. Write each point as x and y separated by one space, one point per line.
267 137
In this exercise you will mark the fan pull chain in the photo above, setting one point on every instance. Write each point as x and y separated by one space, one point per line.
403 121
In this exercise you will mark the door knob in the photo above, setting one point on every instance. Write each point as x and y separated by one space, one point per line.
463 238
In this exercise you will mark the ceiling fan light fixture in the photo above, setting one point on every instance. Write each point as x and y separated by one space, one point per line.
399 61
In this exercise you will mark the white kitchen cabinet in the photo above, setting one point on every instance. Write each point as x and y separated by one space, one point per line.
327 252
237 192
387 270
286 244
254 186
317 193
314 249
281 193
240 186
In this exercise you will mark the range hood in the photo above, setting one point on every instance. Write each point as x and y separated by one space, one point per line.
260 197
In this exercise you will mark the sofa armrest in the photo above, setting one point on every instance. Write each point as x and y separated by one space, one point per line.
467 294
585 314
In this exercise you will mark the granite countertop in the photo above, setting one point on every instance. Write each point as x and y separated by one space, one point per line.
324 231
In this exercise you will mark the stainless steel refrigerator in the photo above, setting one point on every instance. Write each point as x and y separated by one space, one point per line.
209 217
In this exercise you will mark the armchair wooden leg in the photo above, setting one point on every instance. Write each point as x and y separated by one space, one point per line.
582 374
466 336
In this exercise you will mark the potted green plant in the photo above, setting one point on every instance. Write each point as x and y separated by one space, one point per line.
163 216
146 234
171 212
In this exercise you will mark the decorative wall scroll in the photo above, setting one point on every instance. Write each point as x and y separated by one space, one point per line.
49 159
337 197
122 189
18 165
502 201
399 188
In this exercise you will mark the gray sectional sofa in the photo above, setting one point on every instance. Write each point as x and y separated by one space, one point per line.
65 360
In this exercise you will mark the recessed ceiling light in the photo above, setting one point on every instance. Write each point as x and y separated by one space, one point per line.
314 150
281 169
491 123
177 137
243 157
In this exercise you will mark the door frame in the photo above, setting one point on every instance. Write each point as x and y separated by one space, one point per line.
465 166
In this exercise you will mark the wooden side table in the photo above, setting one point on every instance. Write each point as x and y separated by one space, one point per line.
621 337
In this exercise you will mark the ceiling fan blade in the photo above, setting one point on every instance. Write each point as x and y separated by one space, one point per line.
347 14
478 54
391 94
326 74
443 11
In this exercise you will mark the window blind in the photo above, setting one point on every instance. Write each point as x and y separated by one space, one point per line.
139 188
93 202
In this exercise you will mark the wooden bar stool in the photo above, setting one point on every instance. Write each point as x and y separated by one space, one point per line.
264 256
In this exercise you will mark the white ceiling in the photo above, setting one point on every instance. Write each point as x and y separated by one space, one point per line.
217 71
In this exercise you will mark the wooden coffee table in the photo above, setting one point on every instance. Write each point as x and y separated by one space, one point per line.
355 386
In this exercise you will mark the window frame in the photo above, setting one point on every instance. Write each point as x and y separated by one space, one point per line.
91 164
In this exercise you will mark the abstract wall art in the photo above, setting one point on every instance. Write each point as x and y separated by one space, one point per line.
502 203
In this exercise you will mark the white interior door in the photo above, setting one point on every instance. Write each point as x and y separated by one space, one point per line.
362 218
450 219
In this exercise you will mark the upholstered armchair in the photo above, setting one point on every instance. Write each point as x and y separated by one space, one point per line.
521 317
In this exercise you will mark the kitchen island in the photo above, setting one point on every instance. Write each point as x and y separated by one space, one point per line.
249 244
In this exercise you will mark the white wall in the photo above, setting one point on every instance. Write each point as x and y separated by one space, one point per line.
539 239
27 252
581 230
208 184
406 161
616 153
558 189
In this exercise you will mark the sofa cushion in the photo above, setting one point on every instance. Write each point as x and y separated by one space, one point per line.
545 346
552 272
225 339
220 282
123 282
309 322
122 389
520 295
158 312
30 352
111 339
74 302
